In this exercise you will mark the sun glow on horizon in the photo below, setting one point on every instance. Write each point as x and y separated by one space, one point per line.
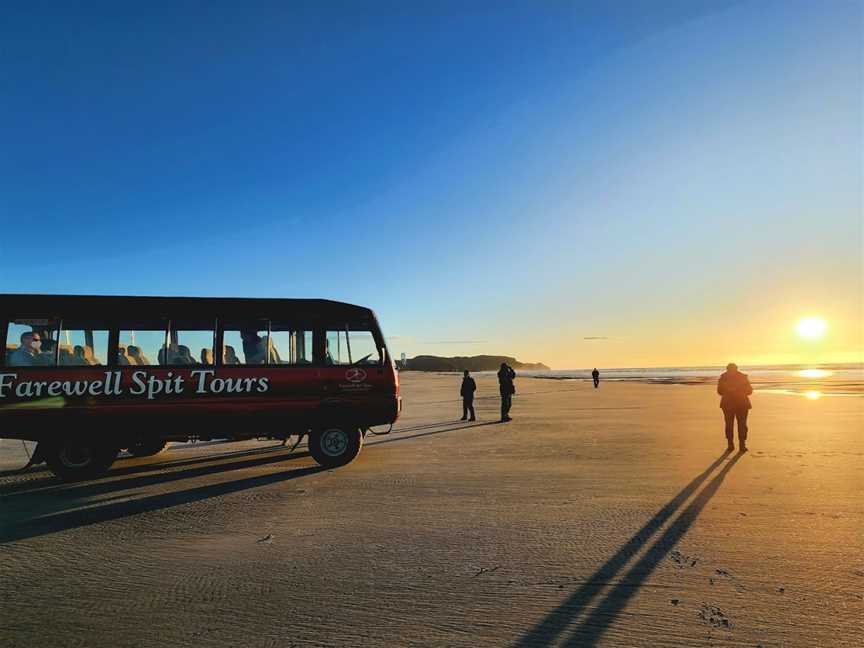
811 328
814 373
813 395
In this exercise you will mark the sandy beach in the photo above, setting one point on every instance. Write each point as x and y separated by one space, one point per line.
606 517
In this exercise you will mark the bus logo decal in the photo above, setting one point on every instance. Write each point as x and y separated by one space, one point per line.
355 375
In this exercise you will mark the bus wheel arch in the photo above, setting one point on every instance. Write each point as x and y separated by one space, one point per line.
146 447
78 459
335 445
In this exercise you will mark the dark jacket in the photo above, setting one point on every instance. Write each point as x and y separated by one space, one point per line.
734 389
468 388
505 381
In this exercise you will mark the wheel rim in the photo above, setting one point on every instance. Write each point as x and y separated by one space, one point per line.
334 442
76 456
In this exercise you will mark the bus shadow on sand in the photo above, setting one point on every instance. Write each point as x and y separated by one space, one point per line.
56 506
597 619
40 479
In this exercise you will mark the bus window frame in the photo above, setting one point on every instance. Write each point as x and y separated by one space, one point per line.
114 343
171 336
59 327
287 321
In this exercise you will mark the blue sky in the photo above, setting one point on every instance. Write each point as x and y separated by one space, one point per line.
679 178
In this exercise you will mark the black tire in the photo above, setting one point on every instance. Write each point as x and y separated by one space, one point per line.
78 459
146 447
335 445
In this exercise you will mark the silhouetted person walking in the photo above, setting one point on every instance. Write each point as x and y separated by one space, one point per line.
596 376
507 389
734 389
467 393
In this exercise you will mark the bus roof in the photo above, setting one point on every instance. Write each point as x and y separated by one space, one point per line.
223 307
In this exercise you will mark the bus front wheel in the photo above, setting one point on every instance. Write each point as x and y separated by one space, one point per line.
77 459
335 445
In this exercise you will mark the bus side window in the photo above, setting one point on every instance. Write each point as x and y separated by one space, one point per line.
364 350
81 346
290 345
31 342
336 348
244 343
191 344
346 347
142 345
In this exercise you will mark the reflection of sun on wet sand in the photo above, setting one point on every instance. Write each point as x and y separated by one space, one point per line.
597 517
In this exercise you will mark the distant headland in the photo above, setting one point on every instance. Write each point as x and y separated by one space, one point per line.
472 363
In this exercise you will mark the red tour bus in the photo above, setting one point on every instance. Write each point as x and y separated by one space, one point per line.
86 376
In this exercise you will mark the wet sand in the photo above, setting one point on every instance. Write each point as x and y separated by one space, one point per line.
597 517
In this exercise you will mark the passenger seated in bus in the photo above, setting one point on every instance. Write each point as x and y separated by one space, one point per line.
254 347
207 356
27 355
122 358
89 357
78 355
67 356
136 357
229 356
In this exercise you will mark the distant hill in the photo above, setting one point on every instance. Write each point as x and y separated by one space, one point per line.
473 363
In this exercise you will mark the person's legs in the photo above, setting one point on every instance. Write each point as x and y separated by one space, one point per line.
729 415
505 406
596 383
470 403
742 429
464 409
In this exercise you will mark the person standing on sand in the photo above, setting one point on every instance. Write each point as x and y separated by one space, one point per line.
734 389
467 393
507 389
596 376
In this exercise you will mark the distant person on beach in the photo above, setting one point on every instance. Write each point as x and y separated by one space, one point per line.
467 393
734 389
596 376
507 389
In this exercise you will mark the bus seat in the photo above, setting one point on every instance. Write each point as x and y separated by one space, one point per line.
229 356
184 354
9 349
137 357
207 356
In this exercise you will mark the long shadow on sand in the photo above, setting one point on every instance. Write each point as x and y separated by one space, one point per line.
58 508
110 483
603 616
423 434
12 530
125 466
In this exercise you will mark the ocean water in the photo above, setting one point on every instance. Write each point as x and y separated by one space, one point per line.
812 381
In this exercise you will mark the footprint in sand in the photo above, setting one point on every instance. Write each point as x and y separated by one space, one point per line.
725 575
683 561
713 616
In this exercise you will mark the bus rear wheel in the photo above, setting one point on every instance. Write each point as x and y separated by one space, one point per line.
146 447
335 445
78 459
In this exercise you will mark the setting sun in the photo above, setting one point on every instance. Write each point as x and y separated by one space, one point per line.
811 327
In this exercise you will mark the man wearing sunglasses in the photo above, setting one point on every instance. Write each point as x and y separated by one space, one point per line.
27 355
